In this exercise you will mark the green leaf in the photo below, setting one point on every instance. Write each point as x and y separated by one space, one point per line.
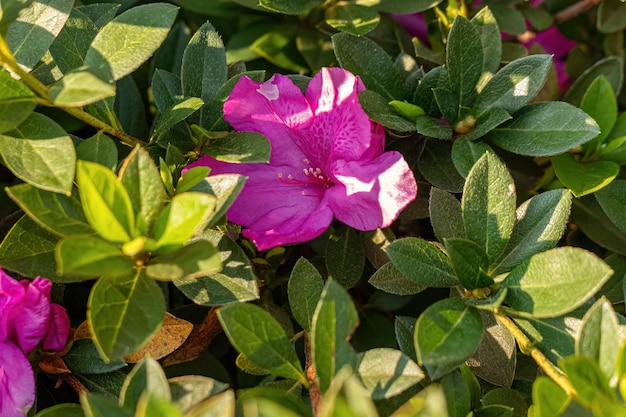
446 216
166 89
40 153
510 20
553 336
574 275
386 372
140 177
470 263
405 328
304 291
422 262
346 397
186 215
544 129
83 358
56 213
375 67
466 153
80 87
35 29
611 200
437 167
236 282
288 6
108 384
225 187
583 178
447 333
130 39
448 103
351 18
220 405
611 16
344 256
99 148
600 103
256 334
278 46
150 405
240 147
405 7
464 58
105 201
591 385
10 10
489 33
390 280
379 110
457 394
71 45
204 64
594 223
515 85
548 398
192 177
190 390
599 336
539 224
123 313
147 376
177 113
431 127
488 205
435 78
79 258
62 410
611 67
197 259
272 401
100 406
17 101
28 249
334 321
486 122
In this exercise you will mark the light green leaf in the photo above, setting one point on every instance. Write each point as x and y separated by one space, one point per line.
192 177
288 6
220 405
226 188
256 334
105 201
600 103
555 282
17 101
599 336
544 129
100 406
151 405
334 321
470 263
130 39
379 110
80 87
548 398
611 198
10 10
387 372
488 205
346 397
40 153
591 385
56 213
236 282
583 178
197 259
447 333
189 390
422 262
123 313
344 256
80 258
35 29
175 114
240 147
62 410
464 58
352 18
278 46
304 291
147 376
539 224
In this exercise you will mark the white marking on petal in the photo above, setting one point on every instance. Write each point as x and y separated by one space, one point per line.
268 90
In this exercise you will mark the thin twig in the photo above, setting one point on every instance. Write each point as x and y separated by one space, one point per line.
574 10
314 389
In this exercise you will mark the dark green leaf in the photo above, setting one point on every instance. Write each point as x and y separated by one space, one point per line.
344 256
457 394
226 188
445 215
574 275
256 334
583 178
175 114
99 148
62 410
146 376
437 167
448 103
84 358
495 359
611 67
389 279
510 20
166 89
197 259
288 6
304 291
447 333
553 336
600 103
240 147
611 16
599 336
464 58
435 78
387 372
379 110
486 122
466 153
404 6
422 262
592 220
433 128
470 263
487 28
123 314
108 384
71 45
17 101
352 18
611 198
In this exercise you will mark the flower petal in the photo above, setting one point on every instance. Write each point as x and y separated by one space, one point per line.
58 329
371 195
17 382
11 292
340 129
276 109
29 319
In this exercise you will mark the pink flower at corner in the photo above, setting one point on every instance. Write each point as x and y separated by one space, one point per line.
27 318
327 160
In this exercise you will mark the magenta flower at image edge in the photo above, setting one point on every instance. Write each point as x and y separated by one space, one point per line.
27 318
327 160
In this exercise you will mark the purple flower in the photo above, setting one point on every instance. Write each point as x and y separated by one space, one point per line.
27 318
553 42
327 160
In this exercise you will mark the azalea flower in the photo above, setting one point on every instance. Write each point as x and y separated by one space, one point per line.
27 318
327 160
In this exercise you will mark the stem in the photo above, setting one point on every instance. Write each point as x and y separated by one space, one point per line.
574 10
198 341
528 348
314 389
8 60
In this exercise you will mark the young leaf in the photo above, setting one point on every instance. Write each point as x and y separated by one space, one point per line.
123 313
591 385
548 398
600 103
197 259
470 263
447 333
539 224
41 153
179 111
85 257
146 376
387 372
488 205
544 129
236 282
100 406
15 98
464 58
151 405
334 321
583 178
379 110
80 87
105 201
304 291
574 275
611 200
422 262
130 39
256 334
344 256
599 336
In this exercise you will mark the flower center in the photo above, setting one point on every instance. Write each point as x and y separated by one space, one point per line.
313 178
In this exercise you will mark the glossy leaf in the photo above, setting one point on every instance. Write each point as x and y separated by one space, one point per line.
548 398
256 334
197 259
583 178
304 291
123 313
344 256
387 372
17 102
574 276
79 258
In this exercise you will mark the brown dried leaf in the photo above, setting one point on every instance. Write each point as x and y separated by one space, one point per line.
170 337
